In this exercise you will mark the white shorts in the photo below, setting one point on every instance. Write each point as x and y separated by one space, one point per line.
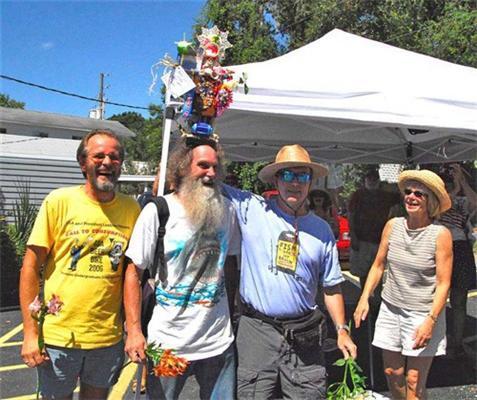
395 328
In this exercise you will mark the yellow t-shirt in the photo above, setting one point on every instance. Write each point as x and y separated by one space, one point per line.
86 242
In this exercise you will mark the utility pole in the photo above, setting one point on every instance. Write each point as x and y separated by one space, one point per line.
101 96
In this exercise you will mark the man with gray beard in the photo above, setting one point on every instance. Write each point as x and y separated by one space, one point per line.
78 240
191 314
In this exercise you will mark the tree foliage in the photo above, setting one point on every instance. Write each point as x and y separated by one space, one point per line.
250 33
445 29
7 101
146 146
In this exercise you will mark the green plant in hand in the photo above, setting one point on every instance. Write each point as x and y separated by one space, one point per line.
353 384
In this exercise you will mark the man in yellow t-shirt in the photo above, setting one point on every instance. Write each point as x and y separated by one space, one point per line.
80 236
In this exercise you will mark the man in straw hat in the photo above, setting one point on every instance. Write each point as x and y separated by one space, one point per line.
287 253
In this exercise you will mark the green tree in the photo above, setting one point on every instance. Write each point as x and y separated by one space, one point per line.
146 146
453 37
441 28
250 33
7 101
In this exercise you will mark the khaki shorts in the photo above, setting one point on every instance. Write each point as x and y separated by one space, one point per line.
395 328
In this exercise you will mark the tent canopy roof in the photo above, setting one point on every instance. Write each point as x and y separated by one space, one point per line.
351 99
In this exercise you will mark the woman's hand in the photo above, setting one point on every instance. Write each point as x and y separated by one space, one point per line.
423 333
361 311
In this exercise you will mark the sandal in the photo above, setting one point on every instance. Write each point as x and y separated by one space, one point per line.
134 386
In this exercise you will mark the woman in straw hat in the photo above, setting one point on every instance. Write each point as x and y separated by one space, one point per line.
410 327
287 253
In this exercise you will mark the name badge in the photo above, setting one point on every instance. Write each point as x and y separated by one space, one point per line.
287 252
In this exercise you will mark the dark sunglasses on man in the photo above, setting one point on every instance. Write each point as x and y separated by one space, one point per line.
287 176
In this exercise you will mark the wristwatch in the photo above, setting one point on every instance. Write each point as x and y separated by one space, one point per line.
342 326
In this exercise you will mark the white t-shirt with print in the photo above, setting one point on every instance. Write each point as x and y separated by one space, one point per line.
191 315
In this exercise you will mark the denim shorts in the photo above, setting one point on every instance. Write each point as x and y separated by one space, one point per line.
395 328
96 367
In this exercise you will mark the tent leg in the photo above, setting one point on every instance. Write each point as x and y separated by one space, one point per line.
166 138
370 351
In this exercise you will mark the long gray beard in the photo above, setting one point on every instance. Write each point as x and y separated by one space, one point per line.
204 205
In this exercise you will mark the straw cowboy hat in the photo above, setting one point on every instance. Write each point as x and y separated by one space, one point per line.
288 157
430 180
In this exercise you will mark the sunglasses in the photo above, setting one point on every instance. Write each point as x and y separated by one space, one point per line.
288 176
417 193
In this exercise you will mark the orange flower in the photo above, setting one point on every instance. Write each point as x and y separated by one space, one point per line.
170 365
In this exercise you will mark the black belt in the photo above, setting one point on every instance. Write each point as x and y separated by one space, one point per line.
275 321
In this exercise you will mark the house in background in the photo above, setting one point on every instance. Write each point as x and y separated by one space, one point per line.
39 149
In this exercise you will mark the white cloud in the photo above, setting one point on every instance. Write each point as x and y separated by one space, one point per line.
47 45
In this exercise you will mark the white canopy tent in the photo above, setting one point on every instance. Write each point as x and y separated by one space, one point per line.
351 99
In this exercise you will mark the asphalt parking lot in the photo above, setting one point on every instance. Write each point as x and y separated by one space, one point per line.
449 379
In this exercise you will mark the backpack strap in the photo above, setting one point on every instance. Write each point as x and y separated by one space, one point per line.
159 260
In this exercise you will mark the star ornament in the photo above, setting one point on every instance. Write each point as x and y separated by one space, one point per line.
214 35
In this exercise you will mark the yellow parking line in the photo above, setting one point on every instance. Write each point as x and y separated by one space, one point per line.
30 396
119 390
11 344
10 334
350 276
13 367
25 397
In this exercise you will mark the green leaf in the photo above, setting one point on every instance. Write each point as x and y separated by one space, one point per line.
340 362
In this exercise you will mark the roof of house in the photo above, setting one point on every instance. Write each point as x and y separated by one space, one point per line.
16 121
38 147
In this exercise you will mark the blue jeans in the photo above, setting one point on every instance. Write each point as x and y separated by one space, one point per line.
216 377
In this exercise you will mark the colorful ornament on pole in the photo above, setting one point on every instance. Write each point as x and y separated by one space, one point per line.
214 84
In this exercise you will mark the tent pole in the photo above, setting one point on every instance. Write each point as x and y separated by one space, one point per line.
166 137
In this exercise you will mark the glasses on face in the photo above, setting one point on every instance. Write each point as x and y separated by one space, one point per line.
417 193
288 176
98 158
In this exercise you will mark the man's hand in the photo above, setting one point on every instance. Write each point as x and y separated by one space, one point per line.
346 344
135 347
423 334
31 354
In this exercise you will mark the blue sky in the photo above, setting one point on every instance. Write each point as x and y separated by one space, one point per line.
67 44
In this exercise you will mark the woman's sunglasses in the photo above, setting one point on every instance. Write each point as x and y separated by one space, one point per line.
288 176
417 193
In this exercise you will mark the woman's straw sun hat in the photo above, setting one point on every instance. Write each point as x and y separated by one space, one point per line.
430 180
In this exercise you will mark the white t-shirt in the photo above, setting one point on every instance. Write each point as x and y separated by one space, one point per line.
191 315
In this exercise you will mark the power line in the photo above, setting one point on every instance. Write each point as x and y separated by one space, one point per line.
69 93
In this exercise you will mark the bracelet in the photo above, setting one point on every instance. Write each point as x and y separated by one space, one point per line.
342 326
433 317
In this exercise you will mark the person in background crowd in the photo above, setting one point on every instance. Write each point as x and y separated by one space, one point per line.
231 179
320 204
464 205
191 315
368 212
417 250
287 252
80 236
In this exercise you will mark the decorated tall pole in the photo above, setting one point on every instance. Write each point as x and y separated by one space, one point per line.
201 89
